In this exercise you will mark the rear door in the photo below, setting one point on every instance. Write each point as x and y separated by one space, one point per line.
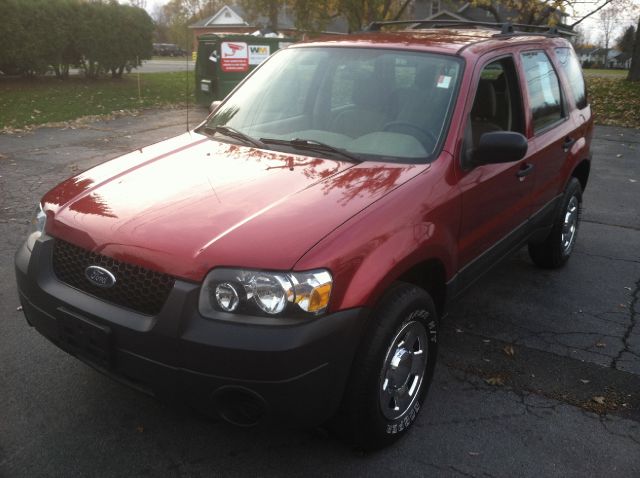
550 125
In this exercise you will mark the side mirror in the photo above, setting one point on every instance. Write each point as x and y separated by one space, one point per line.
500 147
214 106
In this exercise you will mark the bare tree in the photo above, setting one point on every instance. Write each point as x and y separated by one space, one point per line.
607 23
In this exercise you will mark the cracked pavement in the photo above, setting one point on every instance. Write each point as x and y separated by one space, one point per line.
551 341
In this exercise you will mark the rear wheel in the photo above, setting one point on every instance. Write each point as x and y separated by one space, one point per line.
392 371
558 246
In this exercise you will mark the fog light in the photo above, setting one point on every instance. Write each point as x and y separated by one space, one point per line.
227 297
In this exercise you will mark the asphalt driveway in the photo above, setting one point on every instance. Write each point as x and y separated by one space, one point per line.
539 371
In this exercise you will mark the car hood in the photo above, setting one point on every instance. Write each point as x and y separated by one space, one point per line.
188 204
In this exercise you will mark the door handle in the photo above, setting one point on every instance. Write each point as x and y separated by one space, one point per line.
568 142
525 170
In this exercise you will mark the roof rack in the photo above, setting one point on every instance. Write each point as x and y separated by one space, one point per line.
506 28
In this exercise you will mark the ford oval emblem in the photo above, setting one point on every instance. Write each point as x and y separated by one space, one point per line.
99 276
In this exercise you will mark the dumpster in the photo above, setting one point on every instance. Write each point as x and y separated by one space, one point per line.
223 60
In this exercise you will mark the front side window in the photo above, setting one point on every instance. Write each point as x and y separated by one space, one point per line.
571 66
377 104
497 105
543 89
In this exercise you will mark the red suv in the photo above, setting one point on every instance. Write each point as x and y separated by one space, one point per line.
291 258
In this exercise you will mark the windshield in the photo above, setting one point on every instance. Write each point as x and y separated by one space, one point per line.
385 105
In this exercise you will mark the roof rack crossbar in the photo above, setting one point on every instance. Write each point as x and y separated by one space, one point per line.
505 28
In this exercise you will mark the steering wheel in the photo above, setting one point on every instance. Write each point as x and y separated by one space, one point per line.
426 138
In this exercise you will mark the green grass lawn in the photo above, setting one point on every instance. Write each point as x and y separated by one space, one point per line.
604 73
25 102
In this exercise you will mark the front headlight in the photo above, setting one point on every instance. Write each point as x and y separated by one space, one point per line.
290 294
37 227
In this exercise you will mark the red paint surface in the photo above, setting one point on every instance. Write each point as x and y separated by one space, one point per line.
189 204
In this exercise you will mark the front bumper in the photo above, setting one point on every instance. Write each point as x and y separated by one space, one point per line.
243 373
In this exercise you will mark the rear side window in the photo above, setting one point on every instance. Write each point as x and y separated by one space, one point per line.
543 89
571 67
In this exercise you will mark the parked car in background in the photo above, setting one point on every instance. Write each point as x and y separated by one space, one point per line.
168 49
290 260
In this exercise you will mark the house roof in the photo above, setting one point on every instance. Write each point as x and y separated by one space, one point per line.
235 16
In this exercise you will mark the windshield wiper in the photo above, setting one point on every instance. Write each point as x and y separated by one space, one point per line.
312 145
233 133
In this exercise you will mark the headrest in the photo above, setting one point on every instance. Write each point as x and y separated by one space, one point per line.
368 92
484 105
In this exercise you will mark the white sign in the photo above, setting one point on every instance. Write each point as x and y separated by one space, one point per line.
234 56
258 54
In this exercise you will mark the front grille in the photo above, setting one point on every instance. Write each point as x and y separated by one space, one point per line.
136 288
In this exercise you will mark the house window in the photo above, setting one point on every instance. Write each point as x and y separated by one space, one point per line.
435 6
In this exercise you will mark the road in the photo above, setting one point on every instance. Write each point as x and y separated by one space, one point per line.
525 358
156 66
163 66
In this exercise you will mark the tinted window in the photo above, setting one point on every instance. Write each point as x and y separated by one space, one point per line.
497 105
543 89
571 67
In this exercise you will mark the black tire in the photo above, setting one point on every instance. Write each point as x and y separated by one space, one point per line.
556 249
363 420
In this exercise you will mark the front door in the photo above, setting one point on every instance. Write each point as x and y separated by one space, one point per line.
495 197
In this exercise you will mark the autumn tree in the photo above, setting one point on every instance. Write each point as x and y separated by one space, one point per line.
543 12
173 19
268 8
311 15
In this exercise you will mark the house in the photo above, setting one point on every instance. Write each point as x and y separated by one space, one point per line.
618 59
590 55
233 19
465 11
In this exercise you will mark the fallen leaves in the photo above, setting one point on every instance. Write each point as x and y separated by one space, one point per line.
600 400
496 381
19 308
600 345
508 350
615 101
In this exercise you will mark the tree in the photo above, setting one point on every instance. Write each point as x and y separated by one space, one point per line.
543 12
634 71
626 40
271 8
360 13
176 15
607 23
113 38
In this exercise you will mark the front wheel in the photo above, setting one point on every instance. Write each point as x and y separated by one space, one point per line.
392 371
556 249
